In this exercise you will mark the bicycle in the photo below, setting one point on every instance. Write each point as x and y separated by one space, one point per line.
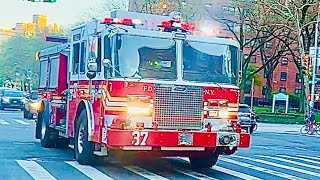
305 129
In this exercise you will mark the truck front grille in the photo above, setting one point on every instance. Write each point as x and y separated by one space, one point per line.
178 107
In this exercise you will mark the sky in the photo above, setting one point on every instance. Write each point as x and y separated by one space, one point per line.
63 12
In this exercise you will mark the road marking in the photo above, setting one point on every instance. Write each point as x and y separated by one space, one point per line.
21 122
144 173
35 170
89 171
292 162
264 170
279 165
193 174
310 157
302 159
3 122
230 172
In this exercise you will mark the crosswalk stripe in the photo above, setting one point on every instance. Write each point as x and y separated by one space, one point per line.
261 169
35 170
292 162
21 122
144 173
89 171
230 172
193 174
310 157
3 122
301 159
278 165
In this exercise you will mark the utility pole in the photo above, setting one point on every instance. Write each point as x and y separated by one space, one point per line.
252 93
314 62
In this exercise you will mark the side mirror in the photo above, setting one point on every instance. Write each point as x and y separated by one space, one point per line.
106 63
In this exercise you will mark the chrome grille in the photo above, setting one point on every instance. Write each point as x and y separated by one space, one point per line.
178 107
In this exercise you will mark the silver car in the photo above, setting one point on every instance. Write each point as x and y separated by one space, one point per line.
246 118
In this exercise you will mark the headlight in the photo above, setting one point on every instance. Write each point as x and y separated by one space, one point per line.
35 105
5 99
139 110
224 114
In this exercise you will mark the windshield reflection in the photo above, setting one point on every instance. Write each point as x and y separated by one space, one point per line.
146 57
205 62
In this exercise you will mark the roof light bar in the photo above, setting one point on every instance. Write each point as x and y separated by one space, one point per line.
123 21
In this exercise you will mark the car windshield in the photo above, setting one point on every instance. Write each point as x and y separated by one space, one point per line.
145 57
13 94
207 62
244 110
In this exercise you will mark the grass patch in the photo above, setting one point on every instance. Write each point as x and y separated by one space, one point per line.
281 119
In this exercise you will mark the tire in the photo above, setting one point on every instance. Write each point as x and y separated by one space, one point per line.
304 129
47 133
205 161
317 129
255 127
82 147
29 115
62 143
24 113
251 129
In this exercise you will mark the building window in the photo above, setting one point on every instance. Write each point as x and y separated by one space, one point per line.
283 76
269 45
297 91
284 61
264 90
282 90
298 78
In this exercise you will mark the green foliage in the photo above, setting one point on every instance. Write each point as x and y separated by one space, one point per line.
257 78
17 57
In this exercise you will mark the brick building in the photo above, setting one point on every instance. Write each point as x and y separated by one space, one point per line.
284 78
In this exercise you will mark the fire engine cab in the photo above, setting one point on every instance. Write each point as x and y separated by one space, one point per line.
144 84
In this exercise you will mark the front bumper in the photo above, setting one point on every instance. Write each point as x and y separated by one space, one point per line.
171 140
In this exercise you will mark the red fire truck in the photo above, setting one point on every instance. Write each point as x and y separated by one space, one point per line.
141 84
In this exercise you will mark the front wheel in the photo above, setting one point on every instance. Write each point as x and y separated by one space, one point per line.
83 148
304 129
204 161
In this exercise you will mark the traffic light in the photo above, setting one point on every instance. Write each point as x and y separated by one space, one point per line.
306 65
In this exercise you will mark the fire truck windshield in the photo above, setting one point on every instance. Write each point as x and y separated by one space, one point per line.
207 62
146 57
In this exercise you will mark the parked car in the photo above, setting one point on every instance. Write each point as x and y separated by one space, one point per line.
12 99
247 118
31 107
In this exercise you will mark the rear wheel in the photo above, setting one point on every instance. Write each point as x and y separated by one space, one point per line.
205 161
24 113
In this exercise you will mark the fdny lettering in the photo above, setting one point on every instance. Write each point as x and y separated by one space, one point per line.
209 92
148 88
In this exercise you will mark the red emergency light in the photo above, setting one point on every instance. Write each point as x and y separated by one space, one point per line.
175 25
123 21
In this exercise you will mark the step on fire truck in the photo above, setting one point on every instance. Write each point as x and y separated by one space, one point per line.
141 84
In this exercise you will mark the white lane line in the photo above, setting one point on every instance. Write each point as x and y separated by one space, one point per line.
34 169
301 159
20 122
3 122
230 172
292 162
261 169
310 157
193 174
89 171
144 173
279 165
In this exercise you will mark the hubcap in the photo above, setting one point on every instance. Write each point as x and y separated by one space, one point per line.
43 129
80 138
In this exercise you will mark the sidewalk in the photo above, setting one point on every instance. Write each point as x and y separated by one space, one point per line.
282 128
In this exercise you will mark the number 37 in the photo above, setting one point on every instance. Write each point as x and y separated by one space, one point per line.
139 138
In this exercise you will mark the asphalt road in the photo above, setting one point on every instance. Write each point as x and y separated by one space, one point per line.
277 152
